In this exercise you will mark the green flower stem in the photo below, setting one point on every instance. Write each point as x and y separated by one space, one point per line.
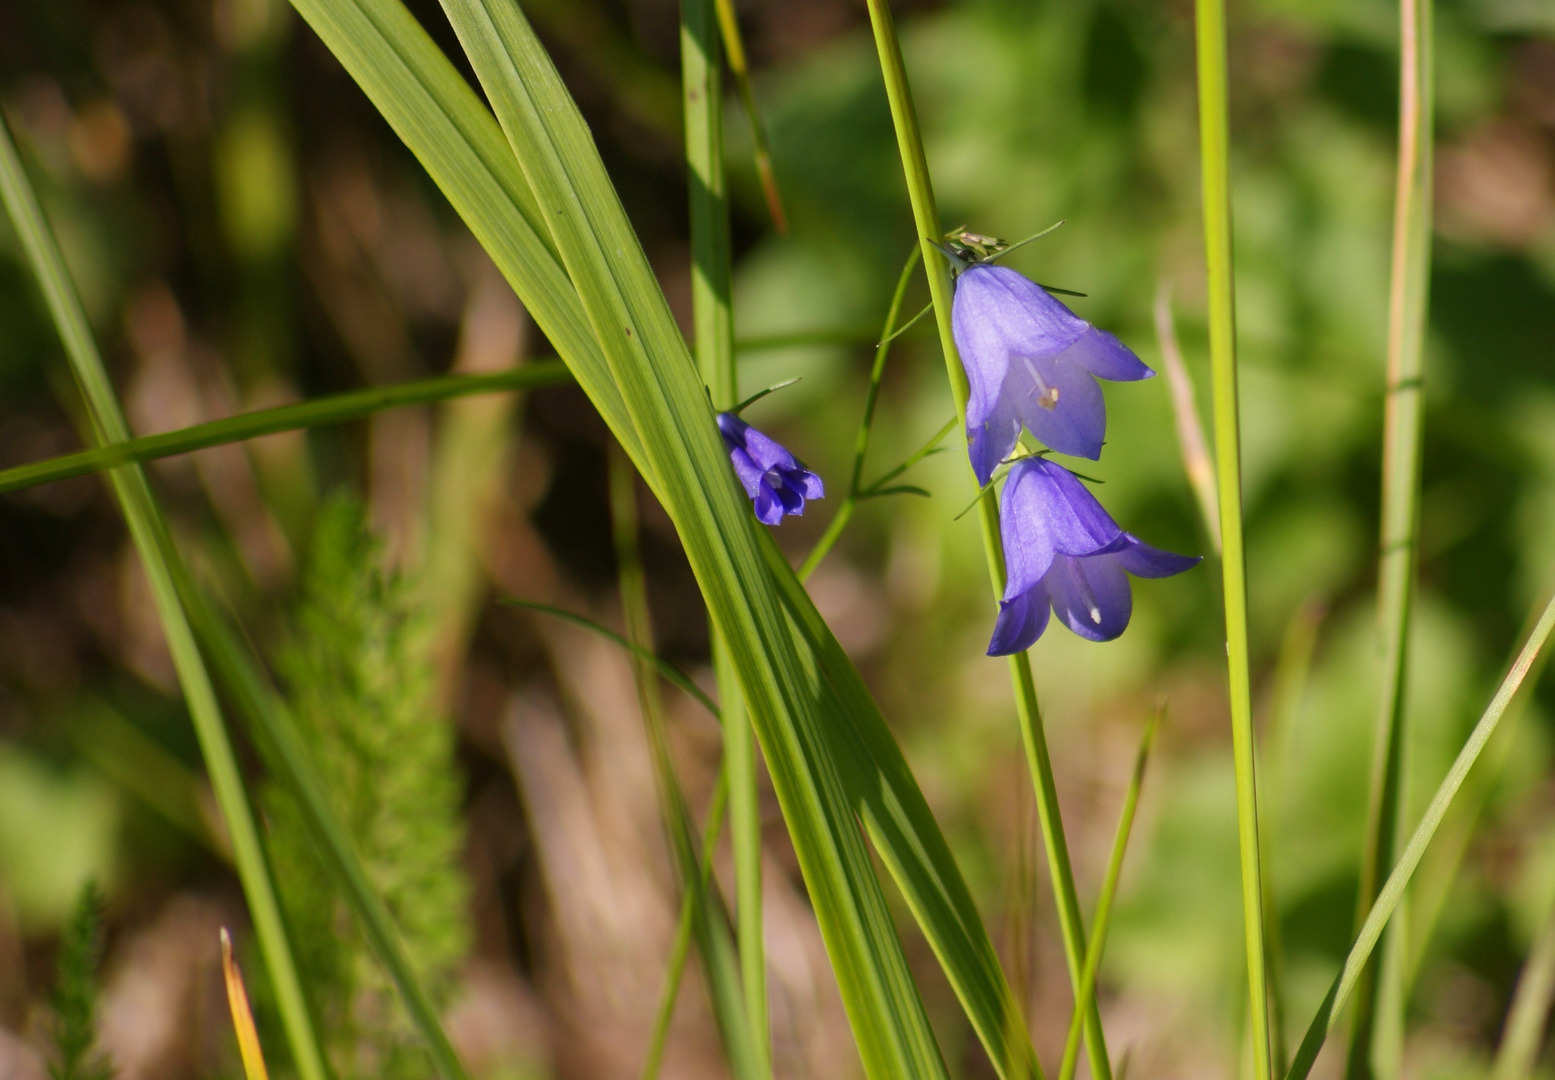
713 319
1214 143
149 532
1409 857
1403 423
844 513
1109 889
319 412
680 949
926 219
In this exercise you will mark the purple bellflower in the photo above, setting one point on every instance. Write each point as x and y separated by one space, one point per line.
1032 361
1063 552
771 476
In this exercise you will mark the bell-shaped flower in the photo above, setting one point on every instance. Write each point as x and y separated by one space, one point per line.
1032 361
1064 553
774 479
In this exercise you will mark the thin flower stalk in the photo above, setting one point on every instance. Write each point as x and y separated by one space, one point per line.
1403 422
926 219
850 501
1214 144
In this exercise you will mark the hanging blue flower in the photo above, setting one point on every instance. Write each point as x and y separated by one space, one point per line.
1063 552
771 476
1032 361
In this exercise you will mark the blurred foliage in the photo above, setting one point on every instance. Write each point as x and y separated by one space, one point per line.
361 689
75 992
244 229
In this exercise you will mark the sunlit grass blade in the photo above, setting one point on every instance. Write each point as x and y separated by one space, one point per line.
1109 888
734 51
449 131
709 921
242 1016
1196 460
1403 422
712 317
682 456
149 533
1529 1014
920 191
1215 168
844 512
1392 891
318 412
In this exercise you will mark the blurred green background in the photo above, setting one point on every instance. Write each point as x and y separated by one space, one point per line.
245 230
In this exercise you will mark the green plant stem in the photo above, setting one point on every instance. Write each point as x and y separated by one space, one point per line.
1214 143
1409 858
319 412
1408 298
734 49
1109 889
708 923
1530 1010
680 948
844 513
926 219
712 316
149 533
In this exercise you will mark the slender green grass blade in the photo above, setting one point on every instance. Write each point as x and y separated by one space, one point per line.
319 412
1109 889
1409 858
712 318
149 533
1196 460
709 922
388 54
273 729
734 48
920 190
1215 168
688 467
1530 1012
1403 424
680 948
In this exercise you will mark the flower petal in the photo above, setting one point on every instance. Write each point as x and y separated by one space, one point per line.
1047 511
1074 424
789 495
1021 622
1142 560
991 438
1091 595
1105 357
769 509
767 451
748 472
808 484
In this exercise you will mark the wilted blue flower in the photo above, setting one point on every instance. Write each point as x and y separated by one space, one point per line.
771 476
1063 551
1030 360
